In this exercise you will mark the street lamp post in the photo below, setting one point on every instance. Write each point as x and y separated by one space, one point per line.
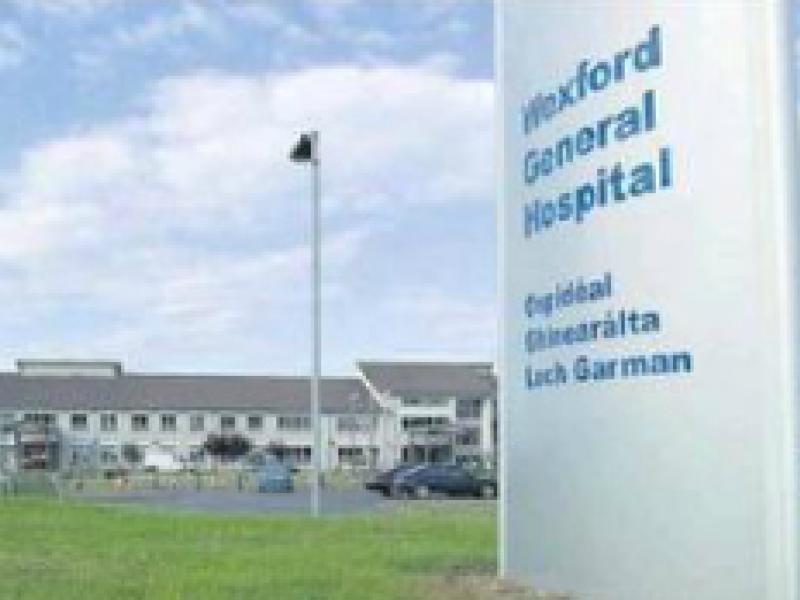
307 151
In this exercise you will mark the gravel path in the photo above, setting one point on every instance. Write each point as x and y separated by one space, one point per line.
482 587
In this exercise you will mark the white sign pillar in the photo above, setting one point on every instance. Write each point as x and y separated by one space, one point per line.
649 349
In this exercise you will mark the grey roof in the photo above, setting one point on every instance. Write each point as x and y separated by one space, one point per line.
453 378
287 395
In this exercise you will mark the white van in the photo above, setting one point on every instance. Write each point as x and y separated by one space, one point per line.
157 458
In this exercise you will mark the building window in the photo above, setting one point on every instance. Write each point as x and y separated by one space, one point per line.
227 422
140 422
356 423
422 400
296 454
169 422
424 423
79 422
255 422
108 422
352 456
294 423
197 423
6 418
48 419
429 454
108 455
84 455
468 408
471 436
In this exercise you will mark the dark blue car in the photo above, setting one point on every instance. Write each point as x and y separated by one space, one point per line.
451 480
383 482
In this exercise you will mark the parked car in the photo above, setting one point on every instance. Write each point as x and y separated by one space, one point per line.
444 479
275 477
384 481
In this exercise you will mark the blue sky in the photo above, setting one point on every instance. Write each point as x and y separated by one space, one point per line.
148 212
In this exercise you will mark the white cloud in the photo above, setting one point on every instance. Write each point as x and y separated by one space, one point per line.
271 17
455 326
402 134
188 225
164 29
187 17
444 62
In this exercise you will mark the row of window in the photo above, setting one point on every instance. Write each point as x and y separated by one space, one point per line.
425 400
424 423
468 436
356 423
109 455
466 408
353 455
166 422
197 422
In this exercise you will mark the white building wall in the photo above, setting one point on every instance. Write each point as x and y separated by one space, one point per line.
387 436
395 438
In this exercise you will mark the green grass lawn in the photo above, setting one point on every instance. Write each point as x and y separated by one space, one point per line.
63 551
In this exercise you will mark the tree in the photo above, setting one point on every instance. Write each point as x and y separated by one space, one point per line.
227 447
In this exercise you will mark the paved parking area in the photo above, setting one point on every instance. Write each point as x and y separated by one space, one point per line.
335 502
231 501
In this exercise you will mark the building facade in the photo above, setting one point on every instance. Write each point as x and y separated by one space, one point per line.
440 412
98 415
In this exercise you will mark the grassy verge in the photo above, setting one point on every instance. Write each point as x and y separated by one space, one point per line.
70 551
